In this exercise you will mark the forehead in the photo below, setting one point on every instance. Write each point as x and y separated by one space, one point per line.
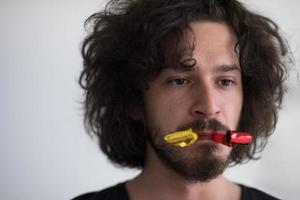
220 32
203 43
211 37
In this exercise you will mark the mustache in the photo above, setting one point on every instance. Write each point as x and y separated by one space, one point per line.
202 124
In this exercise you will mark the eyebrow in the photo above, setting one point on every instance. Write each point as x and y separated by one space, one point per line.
183 68
219 69
227 68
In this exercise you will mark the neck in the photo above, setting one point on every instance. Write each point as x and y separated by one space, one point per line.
157 181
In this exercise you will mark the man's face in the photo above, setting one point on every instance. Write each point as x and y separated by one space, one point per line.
210 91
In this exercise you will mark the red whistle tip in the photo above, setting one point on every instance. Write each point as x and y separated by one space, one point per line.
232 138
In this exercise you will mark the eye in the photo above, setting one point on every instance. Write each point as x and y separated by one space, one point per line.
225 82
178 81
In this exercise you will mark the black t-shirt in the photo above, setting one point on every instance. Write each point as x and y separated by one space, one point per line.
119 192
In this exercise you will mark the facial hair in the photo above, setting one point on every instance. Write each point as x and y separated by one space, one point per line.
200 162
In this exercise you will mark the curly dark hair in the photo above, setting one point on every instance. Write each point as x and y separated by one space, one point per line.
125 50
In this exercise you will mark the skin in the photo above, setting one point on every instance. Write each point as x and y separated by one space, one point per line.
211 89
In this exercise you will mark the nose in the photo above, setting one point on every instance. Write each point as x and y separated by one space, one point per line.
205 104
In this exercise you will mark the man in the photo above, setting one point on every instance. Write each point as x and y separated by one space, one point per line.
152 67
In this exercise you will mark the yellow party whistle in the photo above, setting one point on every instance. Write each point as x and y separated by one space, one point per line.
181 138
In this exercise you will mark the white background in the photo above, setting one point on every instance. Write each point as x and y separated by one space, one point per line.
45 152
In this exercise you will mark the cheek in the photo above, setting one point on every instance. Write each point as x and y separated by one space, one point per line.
165 112
232 111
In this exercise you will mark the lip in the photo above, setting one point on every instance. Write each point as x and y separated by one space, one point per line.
187 137
211 135
205 136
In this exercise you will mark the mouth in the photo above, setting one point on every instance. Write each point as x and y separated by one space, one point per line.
207 134
188 137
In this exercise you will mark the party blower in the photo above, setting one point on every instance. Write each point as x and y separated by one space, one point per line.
188 137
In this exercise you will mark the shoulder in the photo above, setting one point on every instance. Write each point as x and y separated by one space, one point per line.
117 192
249 193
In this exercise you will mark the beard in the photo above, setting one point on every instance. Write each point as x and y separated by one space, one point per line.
200 162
